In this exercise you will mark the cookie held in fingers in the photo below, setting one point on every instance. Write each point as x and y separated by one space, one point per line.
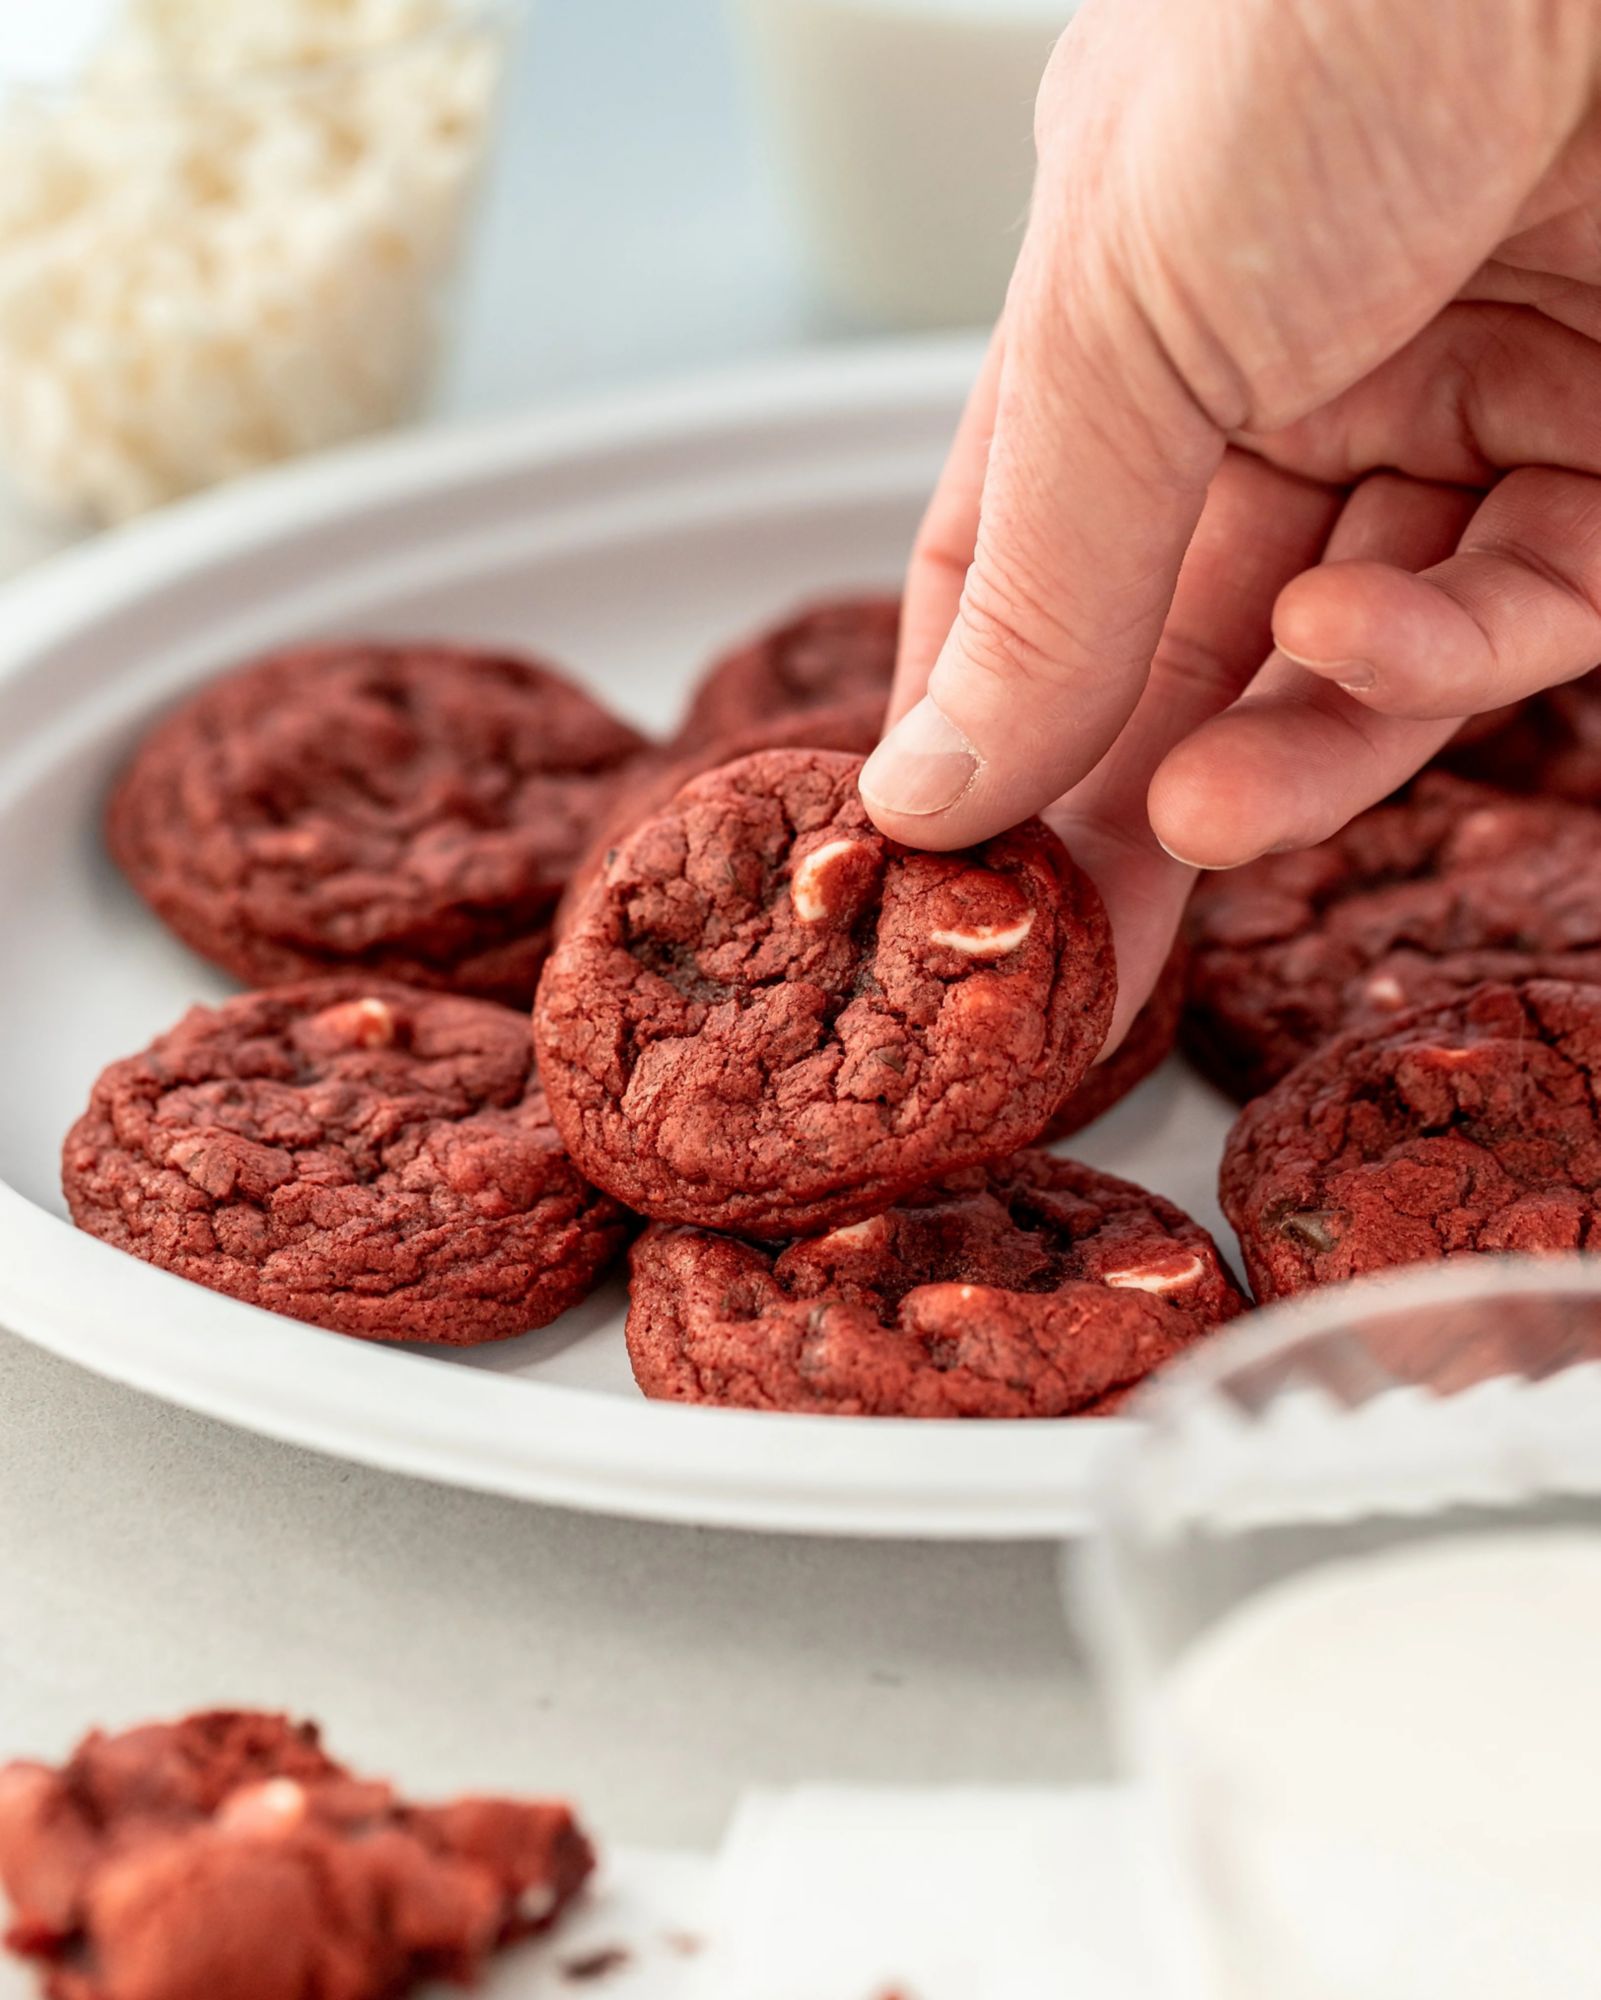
839 649
1412 902
229 1857
370 1157
1035 1288
767 1017
410 810
1467 1126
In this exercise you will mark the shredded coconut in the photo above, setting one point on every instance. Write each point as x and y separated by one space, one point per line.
230 240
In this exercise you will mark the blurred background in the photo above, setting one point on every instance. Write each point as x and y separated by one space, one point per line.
233 231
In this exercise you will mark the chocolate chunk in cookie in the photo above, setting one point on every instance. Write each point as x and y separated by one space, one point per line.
842 649
228 1857
1468 1125
1035 1288
1410 903
411 810
768 1017
366 1156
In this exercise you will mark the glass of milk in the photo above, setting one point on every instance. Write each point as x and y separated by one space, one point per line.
902 133
1346 1590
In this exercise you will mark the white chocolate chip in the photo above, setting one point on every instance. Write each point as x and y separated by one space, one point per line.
1386 991
364 1024
1175 1275
271 1807
986 940
1443 1058
807 889
851 1233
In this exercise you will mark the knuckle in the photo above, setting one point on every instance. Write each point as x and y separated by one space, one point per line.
1010 636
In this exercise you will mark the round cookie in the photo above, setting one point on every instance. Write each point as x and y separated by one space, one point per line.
1468 1125
370 1157
1411 902
1549 744
852 726
1035 1288
837 650
767 1017
412 810
1145 1047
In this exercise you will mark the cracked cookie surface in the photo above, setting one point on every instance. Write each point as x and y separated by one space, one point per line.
1034 1288
414 810
767 1017
1470 1125
835 650
1408 904
229 1857
652 784
369 1157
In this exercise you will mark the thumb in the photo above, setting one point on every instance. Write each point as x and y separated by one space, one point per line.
1096 476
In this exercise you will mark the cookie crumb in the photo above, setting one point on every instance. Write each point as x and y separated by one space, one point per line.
595 1965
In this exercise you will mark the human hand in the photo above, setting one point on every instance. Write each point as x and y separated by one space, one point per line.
1287 452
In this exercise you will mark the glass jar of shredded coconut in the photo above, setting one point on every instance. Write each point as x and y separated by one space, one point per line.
231 237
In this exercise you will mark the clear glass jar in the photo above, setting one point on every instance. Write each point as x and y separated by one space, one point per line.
1346 1592
206 270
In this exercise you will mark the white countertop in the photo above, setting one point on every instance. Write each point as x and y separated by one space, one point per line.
151 1561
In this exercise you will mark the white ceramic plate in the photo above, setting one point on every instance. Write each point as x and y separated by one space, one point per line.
627 541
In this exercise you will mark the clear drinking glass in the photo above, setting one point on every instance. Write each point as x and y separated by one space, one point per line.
206 269
1346 1592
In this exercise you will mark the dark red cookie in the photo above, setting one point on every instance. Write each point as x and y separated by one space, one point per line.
851 726
228 1857
841 649
1145 1047
411 810
1468 1125
1549 744
767 1017
362 1155
1410 903
1036 1288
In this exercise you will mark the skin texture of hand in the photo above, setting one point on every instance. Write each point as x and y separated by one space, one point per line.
1286 455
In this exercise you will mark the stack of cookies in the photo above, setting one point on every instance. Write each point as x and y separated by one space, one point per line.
805 1058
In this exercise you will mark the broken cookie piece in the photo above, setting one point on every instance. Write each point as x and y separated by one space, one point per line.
229 1857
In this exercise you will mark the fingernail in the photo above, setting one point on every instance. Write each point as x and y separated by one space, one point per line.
1355 676
923 765
1206 867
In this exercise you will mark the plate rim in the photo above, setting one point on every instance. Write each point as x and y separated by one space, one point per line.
591 1450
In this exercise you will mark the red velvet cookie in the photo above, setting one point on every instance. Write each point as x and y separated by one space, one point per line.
838 650
1143 1049
366 1156
1549 744
1468 1125
1035 1288
228 1857
1412 902
411 810
768 1017
851 726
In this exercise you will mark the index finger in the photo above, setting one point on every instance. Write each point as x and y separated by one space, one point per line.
1095 478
